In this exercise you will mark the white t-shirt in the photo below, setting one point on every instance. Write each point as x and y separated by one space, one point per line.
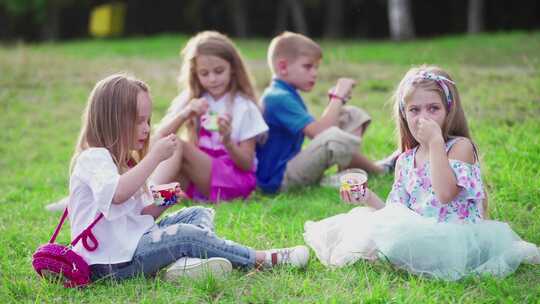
247 120
92 186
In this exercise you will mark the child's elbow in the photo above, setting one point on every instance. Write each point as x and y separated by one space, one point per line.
119 198
247 167
446 197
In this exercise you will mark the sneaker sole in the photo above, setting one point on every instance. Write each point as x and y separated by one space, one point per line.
216 267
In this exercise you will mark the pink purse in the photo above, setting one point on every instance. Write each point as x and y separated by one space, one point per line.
60 262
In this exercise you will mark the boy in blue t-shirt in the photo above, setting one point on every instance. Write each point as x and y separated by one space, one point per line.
294 60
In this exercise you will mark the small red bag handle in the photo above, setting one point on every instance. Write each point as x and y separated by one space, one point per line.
85 235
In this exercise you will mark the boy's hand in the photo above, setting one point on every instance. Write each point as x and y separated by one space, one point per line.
197 106
165 147
344 87
428 132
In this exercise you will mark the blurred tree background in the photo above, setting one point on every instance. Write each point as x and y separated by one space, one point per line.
37 20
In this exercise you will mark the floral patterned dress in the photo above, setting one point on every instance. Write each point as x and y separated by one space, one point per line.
413 189
416 232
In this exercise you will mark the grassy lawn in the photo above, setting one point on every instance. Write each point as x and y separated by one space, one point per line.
43 89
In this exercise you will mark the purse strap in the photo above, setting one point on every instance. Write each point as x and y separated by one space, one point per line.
85 235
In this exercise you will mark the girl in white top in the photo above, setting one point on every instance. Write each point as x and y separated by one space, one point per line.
108 175
222 119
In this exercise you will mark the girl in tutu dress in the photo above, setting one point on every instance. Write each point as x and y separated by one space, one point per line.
434 220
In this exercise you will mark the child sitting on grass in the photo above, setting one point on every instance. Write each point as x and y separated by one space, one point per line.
433 222
109 173
294 61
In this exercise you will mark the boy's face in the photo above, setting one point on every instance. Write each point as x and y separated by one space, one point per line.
301 72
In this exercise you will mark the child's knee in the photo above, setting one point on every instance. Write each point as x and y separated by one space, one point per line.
200 211
340 145
202 217
354 120
338 140
169 230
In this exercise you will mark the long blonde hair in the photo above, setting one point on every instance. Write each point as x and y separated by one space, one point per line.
109 120
212 43
455 123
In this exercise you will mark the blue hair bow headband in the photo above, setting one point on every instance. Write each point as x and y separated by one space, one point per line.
440 81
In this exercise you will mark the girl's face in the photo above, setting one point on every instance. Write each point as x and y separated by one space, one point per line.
142 125
426 104
214 74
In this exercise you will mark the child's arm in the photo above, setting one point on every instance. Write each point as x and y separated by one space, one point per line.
242 153
154 211
330 115
132 180
195 107
443 179
374 200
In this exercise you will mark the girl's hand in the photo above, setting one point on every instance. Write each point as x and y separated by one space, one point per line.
180 195
165 147
197 107
224 128
346 196
428 131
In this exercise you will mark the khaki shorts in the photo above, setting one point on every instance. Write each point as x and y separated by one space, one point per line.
334 146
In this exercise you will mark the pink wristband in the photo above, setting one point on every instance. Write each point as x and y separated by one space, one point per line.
332 95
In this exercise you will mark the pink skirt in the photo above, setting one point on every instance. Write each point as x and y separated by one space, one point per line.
227 181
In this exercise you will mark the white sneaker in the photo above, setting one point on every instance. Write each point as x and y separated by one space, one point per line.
389 162
196 268
531 253
295 256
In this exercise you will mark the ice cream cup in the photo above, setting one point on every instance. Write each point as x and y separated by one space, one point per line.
355 184
166 194
211 123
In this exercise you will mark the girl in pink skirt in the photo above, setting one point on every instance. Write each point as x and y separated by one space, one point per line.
221 119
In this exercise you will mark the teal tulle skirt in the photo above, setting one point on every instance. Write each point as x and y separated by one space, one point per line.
420 245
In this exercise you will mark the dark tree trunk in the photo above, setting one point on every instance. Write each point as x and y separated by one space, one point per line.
294 8
239 19
297 14
333 27
475 16
50 30
400 19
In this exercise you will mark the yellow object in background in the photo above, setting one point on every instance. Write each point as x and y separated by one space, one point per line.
107 20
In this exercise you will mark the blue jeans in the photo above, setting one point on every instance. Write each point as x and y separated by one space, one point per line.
186 233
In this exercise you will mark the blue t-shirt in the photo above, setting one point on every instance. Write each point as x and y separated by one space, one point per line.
286 116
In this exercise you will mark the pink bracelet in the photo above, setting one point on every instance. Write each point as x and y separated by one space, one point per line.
332 95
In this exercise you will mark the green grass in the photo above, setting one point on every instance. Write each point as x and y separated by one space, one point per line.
43 89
